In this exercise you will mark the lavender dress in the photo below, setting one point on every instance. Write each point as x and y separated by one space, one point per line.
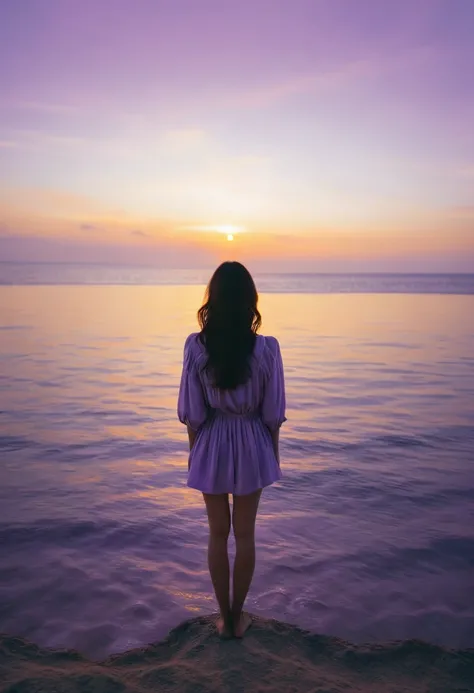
233 451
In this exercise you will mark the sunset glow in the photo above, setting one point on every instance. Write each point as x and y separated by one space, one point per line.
340 139
228 229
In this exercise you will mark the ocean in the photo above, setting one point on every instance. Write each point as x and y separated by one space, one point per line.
370 534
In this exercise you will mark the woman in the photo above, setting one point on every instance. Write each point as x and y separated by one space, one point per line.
232 400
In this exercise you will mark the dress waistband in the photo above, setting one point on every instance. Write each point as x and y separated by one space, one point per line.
235 415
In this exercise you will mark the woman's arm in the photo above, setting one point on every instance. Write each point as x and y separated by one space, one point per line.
192 434
192 437
274 402
192 406
276 443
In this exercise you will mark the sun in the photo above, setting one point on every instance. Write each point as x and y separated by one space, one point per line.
227 229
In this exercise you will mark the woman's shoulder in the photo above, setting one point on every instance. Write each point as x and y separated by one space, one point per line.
193 347
192 340
270 343
268 348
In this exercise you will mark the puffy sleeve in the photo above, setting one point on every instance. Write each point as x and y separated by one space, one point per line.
192 407
274 400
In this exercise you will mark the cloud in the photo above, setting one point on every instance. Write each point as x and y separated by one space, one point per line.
29 248
337 77
87 147
321 250
88 227
42 107
40 138
53 202
465 171
306 83
216 228
463 215
8 144
186 140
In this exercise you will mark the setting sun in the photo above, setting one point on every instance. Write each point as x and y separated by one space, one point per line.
228 229
230 237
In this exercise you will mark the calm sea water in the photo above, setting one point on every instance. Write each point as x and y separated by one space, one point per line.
79 274
369 536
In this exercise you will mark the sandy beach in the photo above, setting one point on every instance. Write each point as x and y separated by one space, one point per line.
273 657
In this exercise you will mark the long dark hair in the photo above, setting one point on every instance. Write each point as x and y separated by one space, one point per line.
229 321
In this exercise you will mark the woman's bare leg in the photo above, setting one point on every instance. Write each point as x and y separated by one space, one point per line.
244 514
218 515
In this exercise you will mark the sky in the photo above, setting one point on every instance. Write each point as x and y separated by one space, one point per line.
322 135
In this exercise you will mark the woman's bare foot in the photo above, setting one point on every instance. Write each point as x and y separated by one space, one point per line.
244 623
224 628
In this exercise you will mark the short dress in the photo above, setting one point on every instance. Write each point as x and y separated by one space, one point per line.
233 451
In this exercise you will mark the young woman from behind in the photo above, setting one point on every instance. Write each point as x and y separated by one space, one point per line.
232 400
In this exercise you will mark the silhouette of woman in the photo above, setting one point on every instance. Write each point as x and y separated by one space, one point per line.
232 400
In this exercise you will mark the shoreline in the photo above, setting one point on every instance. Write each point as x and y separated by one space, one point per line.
273 657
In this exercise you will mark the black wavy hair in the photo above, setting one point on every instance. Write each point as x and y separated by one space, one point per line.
229 321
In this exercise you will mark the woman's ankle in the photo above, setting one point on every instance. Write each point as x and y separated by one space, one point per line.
235 614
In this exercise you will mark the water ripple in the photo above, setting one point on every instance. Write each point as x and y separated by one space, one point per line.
369 535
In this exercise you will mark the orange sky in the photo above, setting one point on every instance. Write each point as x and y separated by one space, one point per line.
336 140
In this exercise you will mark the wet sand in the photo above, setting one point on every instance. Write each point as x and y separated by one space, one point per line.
273 657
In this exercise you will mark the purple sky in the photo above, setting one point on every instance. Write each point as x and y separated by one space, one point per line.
330 133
